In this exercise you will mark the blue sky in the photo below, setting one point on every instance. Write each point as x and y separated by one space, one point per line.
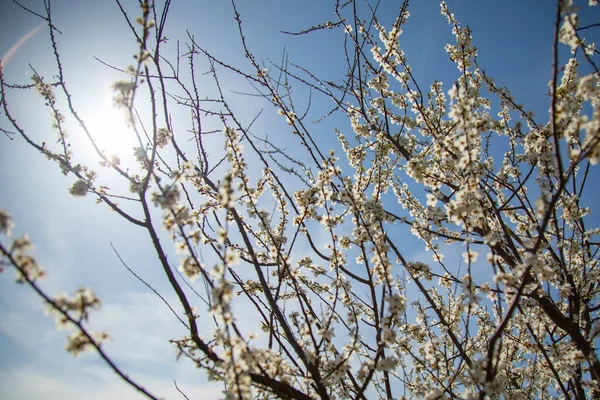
73 235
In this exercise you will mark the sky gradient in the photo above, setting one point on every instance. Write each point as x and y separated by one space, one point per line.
73 236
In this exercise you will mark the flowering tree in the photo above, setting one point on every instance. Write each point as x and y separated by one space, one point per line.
313 243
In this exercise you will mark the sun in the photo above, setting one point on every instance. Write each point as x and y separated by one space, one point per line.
108 128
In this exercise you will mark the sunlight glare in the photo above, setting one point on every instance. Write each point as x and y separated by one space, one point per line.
107 125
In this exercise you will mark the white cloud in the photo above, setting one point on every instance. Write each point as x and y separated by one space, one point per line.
35 383
141 326
91 383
